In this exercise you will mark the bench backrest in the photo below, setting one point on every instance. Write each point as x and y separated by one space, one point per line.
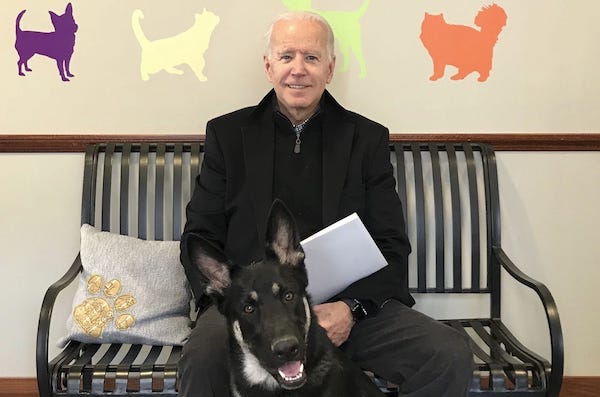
450 197
449 193
139 189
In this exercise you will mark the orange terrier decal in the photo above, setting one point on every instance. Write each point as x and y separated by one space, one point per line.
468 49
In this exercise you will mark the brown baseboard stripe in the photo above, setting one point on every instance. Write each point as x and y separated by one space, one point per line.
22 387
573 386
41 143
580 386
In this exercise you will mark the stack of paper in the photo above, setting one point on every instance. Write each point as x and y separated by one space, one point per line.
339 255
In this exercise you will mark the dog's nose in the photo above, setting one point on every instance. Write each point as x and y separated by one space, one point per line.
286 348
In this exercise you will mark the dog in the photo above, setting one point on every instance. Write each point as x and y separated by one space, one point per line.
187 47
346 29
469 49
277 347
58 45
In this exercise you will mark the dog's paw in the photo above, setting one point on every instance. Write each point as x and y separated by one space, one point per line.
96 312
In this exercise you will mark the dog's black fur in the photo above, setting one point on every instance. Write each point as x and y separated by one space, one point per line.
273 332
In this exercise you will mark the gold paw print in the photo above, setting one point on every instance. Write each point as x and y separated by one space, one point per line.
93 314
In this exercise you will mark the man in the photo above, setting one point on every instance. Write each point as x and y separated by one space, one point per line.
298 144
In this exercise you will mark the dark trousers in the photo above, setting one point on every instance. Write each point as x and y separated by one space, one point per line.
424 357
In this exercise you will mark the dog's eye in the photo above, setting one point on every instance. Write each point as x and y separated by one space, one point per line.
288 296
249 308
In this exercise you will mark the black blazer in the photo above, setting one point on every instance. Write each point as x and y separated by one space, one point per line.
233 192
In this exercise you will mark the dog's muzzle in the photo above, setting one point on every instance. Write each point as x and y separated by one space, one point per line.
291 374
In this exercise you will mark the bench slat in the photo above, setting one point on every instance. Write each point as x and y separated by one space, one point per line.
436 172
75 379
123 369
99 370
177 192
124 191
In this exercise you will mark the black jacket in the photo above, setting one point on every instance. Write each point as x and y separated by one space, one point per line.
233 192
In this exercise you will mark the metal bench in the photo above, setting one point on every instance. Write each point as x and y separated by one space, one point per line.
452 209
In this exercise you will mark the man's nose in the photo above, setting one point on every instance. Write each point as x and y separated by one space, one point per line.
298 66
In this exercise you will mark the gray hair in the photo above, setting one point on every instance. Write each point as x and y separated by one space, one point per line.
300 16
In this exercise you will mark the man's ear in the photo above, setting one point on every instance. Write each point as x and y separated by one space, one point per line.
211 262
267 67
283 238
331 69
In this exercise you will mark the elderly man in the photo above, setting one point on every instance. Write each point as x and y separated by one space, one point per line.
325 162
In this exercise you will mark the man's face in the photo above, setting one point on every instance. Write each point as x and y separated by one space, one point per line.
299 66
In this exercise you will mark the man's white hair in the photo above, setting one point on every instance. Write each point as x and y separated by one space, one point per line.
299 16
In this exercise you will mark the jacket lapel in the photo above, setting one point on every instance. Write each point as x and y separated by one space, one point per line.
259 144
338 135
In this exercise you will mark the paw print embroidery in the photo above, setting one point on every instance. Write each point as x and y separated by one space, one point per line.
94 313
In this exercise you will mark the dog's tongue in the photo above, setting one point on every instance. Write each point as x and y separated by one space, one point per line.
291 370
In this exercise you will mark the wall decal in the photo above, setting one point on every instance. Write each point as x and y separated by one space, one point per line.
468 49
58 45
187 47
346 28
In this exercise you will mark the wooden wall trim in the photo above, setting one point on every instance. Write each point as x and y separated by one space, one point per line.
502 141
573 386
18 387
580 386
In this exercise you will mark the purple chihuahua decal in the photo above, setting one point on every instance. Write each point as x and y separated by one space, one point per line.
58 45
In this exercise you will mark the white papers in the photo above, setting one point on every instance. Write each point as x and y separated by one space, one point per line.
339 255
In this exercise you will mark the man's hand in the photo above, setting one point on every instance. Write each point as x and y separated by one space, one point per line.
336 319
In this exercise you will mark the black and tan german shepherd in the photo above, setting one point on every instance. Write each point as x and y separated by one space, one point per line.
277 347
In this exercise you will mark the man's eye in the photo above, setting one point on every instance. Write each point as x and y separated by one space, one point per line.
311 58
288 296
249 309
285 57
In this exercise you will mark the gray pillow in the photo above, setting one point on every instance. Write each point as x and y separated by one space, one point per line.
130 291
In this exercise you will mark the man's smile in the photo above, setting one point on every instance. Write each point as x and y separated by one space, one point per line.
296 86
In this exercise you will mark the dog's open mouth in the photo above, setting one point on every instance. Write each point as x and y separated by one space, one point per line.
291 375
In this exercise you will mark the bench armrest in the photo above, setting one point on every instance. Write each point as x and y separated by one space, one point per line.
43 332
556 337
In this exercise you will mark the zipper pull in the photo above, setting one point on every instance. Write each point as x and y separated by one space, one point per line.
297 147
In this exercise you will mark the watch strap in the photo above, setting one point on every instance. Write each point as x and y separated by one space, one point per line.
357 309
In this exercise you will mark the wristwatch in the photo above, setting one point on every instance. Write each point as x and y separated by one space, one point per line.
357 309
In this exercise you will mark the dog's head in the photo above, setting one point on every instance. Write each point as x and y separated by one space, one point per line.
265 303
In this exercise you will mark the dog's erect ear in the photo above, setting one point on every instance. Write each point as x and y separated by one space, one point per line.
211 262
283 238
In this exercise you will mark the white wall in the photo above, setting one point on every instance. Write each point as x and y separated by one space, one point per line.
543 80
544 76
39 238
550 227
550 217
